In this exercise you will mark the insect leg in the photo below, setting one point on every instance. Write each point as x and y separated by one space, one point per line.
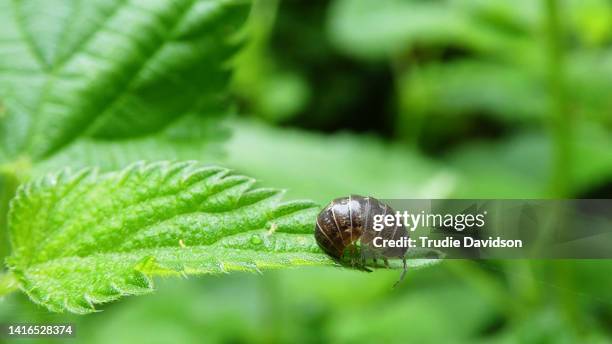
352 251
403 272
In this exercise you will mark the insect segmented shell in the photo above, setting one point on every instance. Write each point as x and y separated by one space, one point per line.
345 230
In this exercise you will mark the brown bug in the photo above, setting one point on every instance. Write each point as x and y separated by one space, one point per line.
344 231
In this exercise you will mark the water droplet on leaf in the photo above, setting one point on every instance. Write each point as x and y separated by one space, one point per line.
256 239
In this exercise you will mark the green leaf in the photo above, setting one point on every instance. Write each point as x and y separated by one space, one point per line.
190 138
323 167
469 86
380 28
109 69
383 28
84 238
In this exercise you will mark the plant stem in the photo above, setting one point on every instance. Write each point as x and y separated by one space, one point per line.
562 124
8 284
560 116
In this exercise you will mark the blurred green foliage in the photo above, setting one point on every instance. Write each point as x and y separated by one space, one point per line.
402 98
466 102
463 81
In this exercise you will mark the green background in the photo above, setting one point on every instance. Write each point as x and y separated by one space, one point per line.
401 99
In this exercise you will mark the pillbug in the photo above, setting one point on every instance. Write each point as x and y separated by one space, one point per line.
345 231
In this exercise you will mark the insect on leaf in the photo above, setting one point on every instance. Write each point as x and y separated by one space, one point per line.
84 238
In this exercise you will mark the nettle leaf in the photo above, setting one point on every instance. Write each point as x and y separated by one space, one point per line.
109 68
85 238
190 138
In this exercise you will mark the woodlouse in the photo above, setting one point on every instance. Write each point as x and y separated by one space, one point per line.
344 231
